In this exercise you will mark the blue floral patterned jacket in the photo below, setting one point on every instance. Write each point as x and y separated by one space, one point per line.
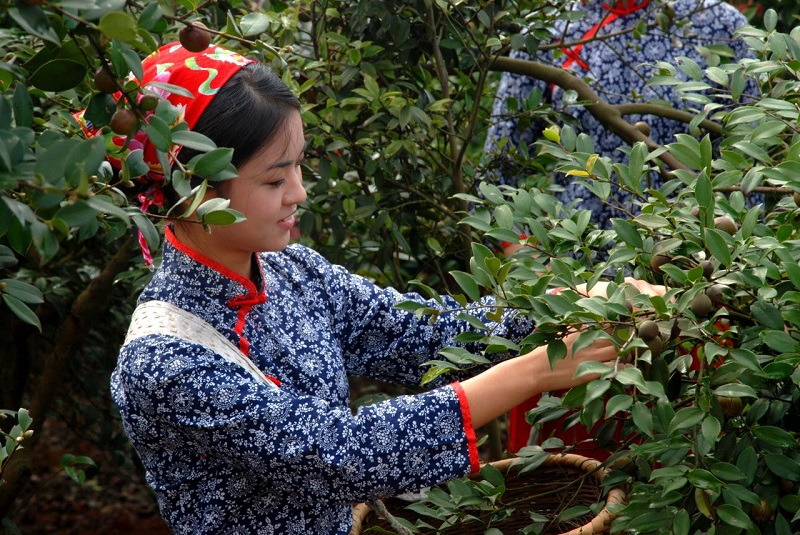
227 454
618 69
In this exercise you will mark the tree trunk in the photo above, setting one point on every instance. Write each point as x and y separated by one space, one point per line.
91 302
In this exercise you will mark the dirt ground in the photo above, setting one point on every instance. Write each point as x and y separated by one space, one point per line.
112 501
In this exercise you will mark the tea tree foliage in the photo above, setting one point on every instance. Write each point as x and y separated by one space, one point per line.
396 98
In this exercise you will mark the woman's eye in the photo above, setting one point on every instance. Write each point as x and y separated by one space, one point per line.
276 183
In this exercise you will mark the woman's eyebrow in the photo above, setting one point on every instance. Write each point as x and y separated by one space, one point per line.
287 163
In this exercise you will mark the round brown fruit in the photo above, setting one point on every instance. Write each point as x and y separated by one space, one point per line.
648 330
725 224
123 122
787 486
195 37
715 294
708 268
731 407
701 305
148 102
627 304
695 211
761 513
642 127
103 81
796 197
656 345
658 260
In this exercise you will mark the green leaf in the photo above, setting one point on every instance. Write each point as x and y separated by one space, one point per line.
100 109
736 390
734 516
148 230
686 417
209 164
222 217
193 140
33 20
254 24
718 246
24 419
618 403
556 350
727 471
703 479
158 133
23 291
58 75
768 315
775 436
467 283
134 165
628 233
642 418
103 204
23 107
783 466
118 25
21 311
710 430
703 192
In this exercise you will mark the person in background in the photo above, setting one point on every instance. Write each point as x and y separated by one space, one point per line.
232 381
601 48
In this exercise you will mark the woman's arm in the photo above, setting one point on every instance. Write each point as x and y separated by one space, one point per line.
509 383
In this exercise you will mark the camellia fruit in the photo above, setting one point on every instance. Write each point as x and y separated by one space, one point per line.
123 122
104 82
708 268
701 305
658 260
725 224
761 512
648 330
715 294
149 102
731 407
195 37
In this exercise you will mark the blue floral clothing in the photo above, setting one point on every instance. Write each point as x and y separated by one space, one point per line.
227 454
617 68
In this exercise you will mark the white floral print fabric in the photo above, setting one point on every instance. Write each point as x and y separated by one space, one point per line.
226 454
618 69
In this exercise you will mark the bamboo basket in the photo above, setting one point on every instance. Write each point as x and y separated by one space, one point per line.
549 489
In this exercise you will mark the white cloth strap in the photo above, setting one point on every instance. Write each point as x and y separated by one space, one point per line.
160 317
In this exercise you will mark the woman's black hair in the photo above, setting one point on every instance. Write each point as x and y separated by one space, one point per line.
247 112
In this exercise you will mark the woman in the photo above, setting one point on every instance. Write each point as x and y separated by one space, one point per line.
228 451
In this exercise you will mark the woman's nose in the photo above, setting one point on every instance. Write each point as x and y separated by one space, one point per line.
297 192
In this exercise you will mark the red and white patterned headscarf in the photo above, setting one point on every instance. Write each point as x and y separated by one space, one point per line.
200 73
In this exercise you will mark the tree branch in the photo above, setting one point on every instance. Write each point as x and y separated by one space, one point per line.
607 114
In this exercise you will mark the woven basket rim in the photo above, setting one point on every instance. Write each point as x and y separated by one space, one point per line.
594 468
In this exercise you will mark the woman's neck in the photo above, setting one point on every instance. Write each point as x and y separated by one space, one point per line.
195 237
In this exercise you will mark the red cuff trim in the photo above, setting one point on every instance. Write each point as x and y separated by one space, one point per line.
472 442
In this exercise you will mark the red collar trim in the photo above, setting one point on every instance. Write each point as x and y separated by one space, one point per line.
216 266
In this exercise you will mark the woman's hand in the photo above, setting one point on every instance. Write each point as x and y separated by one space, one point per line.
601 288
562 375
511 382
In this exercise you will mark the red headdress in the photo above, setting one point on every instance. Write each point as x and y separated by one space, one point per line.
200 73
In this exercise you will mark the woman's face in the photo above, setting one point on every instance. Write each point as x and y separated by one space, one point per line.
268 191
